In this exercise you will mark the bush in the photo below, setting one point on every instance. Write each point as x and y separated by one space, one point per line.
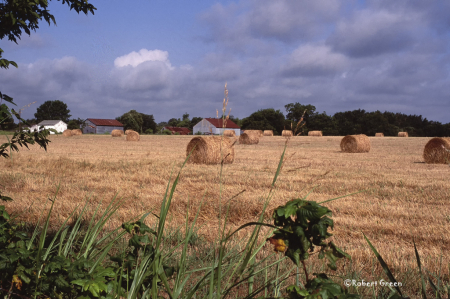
166 132
198 133
148 131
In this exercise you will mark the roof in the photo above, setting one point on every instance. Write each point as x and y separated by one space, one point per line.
218 123
105 122
182 131
49 122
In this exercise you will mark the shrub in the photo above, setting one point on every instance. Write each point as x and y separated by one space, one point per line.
166 132
148 131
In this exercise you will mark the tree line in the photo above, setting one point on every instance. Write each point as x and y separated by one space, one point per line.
340 124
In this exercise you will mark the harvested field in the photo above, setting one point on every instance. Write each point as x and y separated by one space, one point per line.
404 197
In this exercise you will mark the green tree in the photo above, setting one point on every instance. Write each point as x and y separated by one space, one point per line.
194 121
6 120
132 120
53 110
296 110
148 122
265 119
76 123
323 122
173 122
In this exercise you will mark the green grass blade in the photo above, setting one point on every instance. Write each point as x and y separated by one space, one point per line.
384 266
423 287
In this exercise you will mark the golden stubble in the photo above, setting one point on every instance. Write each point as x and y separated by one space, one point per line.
404 198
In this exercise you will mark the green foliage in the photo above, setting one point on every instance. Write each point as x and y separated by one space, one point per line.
76 124
132 120
265 119
53 110
302 226
166 132
149 131
6 120
148 123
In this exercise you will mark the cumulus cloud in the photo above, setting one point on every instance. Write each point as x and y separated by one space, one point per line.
314 60
136 58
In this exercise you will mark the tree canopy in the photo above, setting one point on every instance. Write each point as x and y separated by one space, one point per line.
139 122
265 119
53 110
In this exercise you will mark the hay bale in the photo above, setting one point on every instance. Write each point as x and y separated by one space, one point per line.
133 136
379 135
77 132
258 133
210 150
67 133
437 151
315 133
249 138
286 133
116 133
229 133
268 133
402 134
355 144
127 131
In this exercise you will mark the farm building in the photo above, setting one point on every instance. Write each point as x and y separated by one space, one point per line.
101 126
215 126
181 131
32 128
58 125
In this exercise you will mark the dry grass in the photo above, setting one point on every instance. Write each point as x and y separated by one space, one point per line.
437 151
268 133
355 144
315 133
249 138
116 133
286 133
379 134
132 135
403 134
67 133
210 150
404 198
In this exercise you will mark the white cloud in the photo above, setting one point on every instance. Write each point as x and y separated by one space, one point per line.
136 58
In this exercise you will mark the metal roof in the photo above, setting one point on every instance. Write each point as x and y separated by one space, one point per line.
182 131
49 122
105 122
218 123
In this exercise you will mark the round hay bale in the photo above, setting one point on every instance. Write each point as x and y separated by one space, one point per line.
67 133
268 133
229 133
258 133
286 133
402 134
355 144
210 150
127 131
116 133
249 138
77 132
133 136
437 151
379 135
315 133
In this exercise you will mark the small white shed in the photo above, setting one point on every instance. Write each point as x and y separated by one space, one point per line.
58 125
215 126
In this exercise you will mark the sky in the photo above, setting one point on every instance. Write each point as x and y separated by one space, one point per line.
170 57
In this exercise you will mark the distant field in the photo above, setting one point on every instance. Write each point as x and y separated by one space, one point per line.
404 199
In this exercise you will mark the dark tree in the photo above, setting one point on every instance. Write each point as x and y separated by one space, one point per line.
148 122
295 112
76 124
53 110
265 119
194 121
173 122
6 120
132 120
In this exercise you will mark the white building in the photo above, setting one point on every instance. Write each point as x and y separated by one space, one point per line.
33 128
215 126
58 125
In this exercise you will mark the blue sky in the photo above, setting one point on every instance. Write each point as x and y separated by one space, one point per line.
170 57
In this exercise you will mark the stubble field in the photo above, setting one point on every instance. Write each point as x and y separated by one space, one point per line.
404 198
